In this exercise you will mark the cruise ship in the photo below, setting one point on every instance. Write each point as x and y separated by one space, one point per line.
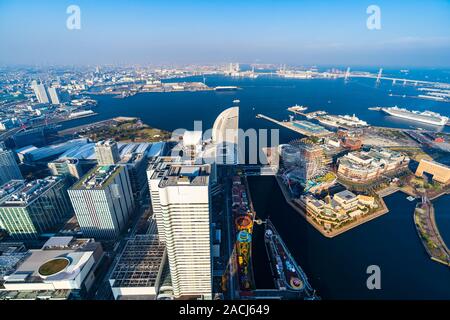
425 117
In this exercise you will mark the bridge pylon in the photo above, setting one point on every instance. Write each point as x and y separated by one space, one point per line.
347 74
380 72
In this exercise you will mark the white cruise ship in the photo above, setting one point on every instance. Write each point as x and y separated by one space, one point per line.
425 117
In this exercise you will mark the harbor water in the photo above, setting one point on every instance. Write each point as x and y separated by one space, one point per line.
335 267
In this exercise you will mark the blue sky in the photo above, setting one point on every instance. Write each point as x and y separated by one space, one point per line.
413 33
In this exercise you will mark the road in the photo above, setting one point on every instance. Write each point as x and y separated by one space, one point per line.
104 289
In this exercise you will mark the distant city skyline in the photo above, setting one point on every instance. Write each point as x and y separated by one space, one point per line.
413 33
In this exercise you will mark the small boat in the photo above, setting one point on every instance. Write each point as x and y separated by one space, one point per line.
236 101
410 198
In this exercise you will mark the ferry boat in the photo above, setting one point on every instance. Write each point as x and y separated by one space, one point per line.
226 88
298 108
425 117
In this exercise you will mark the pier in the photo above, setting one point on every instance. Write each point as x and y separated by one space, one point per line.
305 128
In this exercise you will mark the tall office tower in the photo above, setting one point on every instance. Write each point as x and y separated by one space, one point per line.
67 167
156 170
185 208
107 152
9 170
103 201
134 157
28 209
54 95
40 92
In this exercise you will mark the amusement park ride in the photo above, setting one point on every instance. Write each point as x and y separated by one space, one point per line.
244 219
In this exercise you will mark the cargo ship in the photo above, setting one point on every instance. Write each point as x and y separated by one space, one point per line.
424 117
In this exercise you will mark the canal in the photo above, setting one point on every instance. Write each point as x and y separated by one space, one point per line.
336 267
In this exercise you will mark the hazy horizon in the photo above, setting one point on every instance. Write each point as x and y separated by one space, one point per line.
412 34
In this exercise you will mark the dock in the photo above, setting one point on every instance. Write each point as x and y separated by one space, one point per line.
305 128
288 276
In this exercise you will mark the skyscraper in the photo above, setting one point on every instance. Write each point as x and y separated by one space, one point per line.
185 209
54 95
28 209
107 152
40 92
103 201
9 169
155 172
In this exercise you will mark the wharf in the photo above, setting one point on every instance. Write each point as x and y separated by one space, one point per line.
305 128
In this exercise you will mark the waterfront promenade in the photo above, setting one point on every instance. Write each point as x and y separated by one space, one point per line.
425 222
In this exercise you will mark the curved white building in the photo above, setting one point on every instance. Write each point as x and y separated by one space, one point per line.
225 133
225 128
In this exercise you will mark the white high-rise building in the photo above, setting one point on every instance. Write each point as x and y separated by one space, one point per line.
107 152
40 92
180 195
103 201
185 209
9 170
54 95
156 170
